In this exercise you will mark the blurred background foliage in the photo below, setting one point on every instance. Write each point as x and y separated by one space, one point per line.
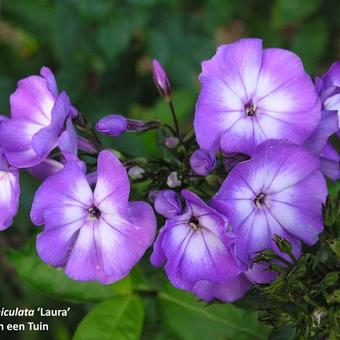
100 51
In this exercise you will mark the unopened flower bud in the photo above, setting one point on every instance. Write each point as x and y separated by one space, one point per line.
161 79
202 162
113 125
171 142
136 172
135 125
173 180
168 203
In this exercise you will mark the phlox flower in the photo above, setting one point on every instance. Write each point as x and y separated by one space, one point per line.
38 116
280 191
196 246
250 94
94 235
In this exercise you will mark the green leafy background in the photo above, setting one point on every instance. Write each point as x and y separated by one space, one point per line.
100 52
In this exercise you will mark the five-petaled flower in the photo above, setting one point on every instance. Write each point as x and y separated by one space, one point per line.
38 116
249 95
95 235
279 191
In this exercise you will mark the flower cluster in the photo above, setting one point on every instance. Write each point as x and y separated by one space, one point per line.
264 134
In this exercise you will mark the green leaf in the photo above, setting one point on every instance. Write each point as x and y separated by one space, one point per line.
120 318
190 319
286 332
310 42
53 281
288 11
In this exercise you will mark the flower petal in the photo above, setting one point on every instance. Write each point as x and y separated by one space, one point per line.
69 186
113 187
229 291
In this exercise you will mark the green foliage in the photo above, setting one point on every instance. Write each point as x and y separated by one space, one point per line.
303 300
54 282
191 319
118 318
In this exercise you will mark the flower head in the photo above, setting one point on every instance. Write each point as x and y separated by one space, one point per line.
161 79
328 88
38 115
195 246
202 162
280 191
249 95
168 203
94 235
9 192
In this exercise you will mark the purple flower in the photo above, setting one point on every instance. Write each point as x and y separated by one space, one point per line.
279 191
9 192
95 235
249 95
328 88
229 291
329 161
161 79
113 125
38 115
195 246
202 162
168 203
318 144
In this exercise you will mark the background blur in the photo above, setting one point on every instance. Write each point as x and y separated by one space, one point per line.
100 51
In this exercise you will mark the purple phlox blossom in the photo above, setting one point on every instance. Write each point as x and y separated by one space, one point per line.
38 116
319 144
68 145
196 245
161 79
202 162
95 235
9 192
328 88
330 162
250 94
168 203
280 191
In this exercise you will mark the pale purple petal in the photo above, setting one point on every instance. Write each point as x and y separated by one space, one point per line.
329 124
15 138
112 189
330 161
46 168
229 291
68 141
47 138
32 100
9 194
51 83
67 187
